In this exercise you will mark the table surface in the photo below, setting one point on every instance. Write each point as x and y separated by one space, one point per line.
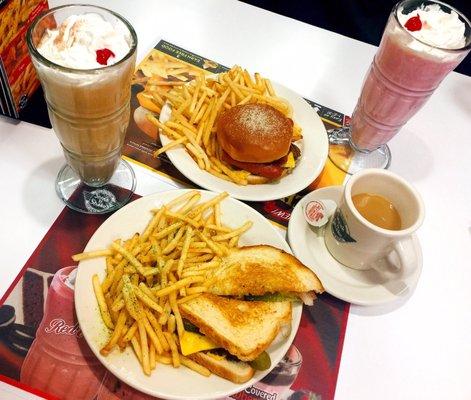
418 347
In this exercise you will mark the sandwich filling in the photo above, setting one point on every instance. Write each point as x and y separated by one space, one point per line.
270 170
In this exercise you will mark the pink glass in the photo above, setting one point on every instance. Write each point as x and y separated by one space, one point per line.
59 361
403 75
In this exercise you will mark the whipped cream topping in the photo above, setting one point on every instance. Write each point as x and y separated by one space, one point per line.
75 42
439 28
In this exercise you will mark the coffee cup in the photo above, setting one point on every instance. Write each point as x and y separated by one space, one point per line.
376 215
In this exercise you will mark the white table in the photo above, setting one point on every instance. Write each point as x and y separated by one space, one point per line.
418 348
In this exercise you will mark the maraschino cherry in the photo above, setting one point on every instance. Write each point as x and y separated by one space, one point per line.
414 23
102 56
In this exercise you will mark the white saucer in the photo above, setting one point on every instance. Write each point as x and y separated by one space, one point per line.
370 287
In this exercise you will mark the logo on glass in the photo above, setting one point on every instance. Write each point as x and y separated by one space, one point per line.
99 200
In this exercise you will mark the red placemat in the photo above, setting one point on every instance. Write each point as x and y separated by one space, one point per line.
318 342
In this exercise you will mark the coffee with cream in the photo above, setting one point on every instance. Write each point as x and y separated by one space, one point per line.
378 210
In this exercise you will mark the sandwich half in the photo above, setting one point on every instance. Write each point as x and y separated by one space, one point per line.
263 271
233 331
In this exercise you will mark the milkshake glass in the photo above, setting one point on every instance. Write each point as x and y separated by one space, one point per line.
88 104
59 361
405 72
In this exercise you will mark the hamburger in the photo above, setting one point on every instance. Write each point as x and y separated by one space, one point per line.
257 138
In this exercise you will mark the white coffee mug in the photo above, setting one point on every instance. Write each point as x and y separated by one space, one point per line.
357 243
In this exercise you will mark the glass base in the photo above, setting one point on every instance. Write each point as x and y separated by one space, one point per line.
351 160
96 200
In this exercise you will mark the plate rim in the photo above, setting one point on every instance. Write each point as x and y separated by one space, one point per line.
353 299
235 388
271 194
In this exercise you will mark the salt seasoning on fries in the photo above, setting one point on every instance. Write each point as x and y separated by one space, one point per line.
150 274
196 107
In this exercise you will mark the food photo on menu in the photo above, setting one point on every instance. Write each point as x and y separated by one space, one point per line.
237 283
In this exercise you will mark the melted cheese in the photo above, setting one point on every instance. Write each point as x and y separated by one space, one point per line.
192 342
216 356
290 162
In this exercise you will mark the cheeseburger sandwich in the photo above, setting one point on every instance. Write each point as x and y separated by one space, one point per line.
257 138
230 336
265 272
250 300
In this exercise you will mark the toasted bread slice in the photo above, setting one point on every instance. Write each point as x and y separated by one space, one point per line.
261 269
233 370
243 328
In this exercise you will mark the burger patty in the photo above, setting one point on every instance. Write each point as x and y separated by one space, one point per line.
272 170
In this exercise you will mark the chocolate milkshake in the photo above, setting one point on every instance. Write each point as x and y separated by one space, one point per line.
85 58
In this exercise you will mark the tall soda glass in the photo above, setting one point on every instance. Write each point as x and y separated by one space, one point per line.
404 73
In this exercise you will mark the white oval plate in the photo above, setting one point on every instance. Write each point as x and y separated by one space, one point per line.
168 382
367 288
314 148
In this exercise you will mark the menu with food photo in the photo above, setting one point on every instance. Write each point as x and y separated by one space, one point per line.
20 94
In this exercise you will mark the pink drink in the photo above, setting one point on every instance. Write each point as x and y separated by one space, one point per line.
404 74
277 383
59 361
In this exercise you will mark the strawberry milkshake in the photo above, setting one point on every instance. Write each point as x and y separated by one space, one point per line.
59 361
421 44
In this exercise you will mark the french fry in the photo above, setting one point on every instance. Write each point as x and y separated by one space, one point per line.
171 324
182 218
236 232
186 245
153 336
187 298
158 331
213 246
196 289
105 314
194 366
137 348
178 285
168 230
116 334
147 300
170 145
152 354
164 359
173 349
126 254
144 347
130 333
176 313
92 254
118 304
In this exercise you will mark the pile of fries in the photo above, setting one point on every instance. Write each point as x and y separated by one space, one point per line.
196 107
150 274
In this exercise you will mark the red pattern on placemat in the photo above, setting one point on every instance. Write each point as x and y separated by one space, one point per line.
320 335
26 388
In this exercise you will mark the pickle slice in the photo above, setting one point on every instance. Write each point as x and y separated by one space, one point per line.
262 362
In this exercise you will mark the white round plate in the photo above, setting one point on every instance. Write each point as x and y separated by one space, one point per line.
372 287
314 148
167 382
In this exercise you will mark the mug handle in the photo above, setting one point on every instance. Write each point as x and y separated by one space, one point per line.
398 248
